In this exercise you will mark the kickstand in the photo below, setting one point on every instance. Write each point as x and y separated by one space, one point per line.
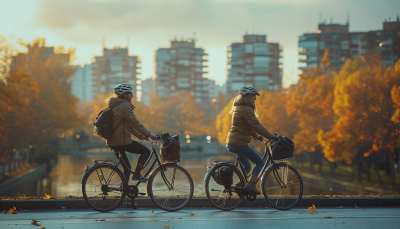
132 203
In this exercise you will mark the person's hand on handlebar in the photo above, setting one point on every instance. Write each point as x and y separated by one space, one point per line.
153 137
275 137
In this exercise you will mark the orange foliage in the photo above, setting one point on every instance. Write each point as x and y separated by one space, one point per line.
311 103
365 106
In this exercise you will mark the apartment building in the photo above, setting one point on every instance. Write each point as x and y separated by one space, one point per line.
148 88
344 45
181 68
114 67
82 83
254 63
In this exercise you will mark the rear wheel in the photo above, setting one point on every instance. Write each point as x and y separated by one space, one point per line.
171 189
225 199
103 188
282 188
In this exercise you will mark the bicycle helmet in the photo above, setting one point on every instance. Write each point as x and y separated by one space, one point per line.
122 88
248 90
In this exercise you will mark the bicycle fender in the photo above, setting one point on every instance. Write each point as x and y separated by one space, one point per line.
219 165
91 167
85 173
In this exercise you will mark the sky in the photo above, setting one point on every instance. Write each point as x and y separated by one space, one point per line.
215 24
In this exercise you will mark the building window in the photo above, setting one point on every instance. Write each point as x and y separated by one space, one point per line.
322 45
344 45
249 48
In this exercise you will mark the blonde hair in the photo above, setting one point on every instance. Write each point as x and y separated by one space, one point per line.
112 95
238 97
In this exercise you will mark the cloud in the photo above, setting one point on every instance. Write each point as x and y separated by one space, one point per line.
218 19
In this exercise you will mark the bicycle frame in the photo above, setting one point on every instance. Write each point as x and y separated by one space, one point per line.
267 157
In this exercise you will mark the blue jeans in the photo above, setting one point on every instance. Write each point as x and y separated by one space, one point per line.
247 154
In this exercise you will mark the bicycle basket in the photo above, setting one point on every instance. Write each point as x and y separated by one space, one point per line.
283 148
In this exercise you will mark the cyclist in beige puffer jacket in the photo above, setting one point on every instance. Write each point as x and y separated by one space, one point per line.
125 123
245 125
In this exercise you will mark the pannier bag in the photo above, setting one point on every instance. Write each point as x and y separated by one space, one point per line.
103 124
283 148
170 150
223 176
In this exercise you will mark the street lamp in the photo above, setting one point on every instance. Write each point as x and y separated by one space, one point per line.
387 44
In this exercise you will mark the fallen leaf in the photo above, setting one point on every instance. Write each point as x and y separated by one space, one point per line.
363 209
155 220
356 205
43 228
47 196
191 214
144 217
152 211
113 219
194 218
35 222
133 219
126 216
180 218
166 225
13 210
299 212
311 209
343 222
4 212
102 219
72 216
328 217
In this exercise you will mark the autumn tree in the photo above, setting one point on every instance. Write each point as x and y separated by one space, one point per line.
38 79
366 113
311 102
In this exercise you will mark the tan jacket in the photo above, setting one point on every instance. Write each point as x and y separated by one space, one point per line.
245 125
123 110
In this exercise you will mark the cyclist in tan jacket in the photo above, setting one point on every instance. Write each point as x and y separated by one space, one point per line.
245 125
125 123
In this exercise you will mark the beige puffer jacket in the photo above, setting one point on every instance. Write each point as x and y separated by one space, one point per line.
123 110
245 124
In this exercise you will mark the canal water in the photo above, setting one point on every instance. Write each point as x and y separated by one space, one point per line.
63 179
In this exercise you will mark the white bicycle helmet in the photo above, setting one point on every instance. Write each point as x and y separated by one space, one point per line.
122 88
248 90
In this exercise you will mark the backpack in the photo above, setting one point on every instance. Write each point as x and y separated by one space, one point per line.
103 124
224 176
171 148
282 149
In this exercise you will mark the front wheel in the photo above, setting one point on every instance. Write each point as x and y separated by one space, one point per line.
103 188
282 187
170 187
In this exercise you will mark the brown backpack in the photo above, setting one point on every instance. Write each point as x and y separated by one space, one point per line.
170 150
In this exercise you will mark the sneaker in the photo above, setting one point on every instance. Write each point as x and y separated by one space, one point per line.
142 178
251 186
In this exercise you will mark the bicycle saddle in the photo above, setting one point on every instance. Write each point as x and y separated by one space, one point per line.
217 162
232 150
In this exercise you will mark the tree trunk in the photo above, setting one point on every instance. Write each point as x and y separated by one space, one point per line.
392 172
319 155
332 168
359 166
311 158
376 166
369 169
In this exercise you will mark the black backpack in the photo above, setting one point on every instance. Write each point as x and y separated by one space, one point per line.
103 124
224 176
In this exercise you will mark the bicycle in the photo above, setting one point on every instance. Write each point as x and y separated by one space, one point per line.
104 186
281 184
